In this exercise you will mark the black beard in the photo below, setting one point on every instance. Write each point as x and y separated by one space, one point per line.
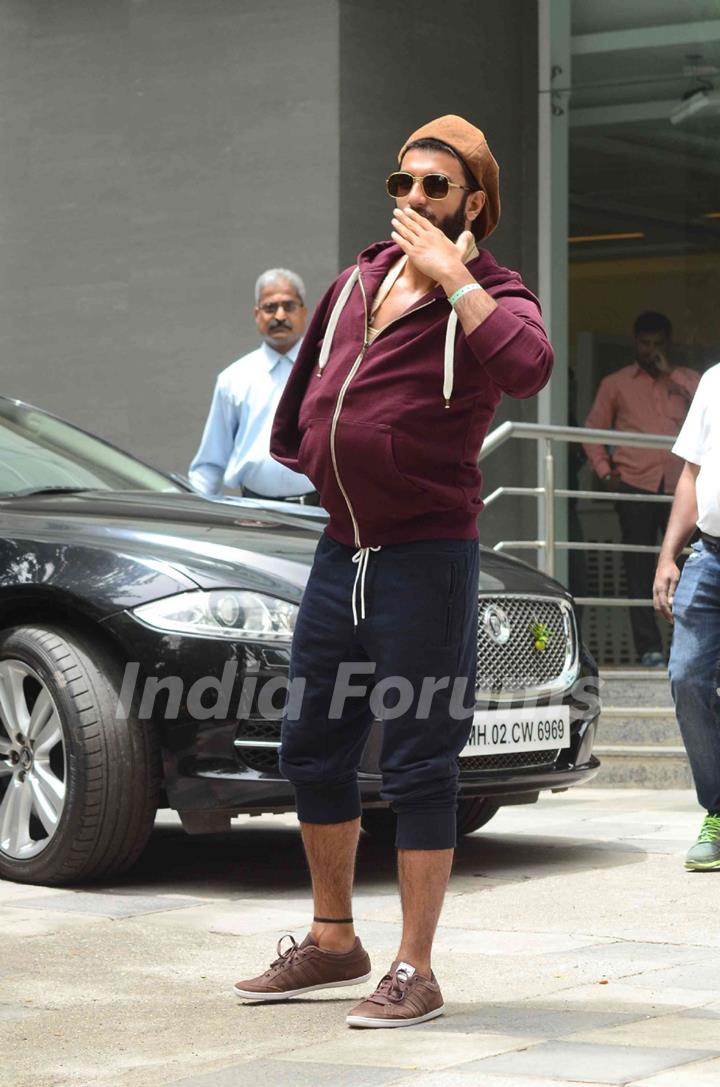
452 226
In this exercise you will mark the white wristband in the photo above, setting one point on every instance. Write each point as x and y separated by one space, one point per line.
461 291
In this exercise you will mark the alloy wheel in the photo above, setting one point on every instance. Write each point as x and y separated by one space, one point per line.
32 762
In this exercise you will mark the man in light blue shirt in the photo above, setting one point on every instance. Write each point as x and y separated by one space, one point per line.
235 446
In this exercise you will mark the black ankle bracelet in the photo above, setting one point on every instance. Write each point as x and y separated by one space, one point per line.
333 920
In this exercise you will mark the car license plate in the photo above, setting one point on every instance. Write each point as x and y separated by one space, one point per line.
536 729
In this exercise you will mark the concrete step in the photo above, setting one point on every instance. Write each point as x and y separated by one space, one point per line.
638 740
635 766
625 730
635 687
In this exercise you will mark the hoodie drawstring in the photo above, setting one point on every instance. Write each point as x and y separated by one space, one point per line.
334 318
449 353
449 358
360 558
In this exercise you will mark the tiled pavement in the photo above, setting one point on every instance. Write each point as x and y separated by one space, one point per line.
574 949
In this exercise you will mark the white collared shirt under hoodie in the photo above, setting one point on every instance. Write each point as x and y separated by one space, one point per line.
235 446
699 443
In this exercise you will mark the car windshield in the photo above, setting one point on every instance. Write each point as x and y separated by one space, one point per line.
40 453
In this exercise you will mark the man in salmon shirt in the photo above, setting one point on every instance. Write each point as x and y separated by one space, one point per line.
650 396
401 370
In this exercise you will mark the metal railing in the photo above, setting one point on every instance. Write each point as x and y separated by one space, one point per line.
548 492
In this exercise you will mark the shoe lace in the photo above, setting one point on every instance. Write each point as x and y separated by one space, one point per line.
286 957
394 986
710 830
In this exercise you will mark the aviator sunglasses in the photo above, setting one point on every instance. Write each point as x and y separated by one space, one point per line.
435 186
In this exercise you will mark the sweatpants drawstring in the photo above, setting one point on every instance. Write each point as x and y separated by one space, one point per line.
360 558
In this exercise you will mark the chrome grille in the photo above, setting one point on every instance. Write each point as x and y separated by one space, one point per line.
516 666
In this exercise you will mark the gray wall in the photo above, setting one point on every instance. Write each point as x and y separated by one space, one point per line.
158 154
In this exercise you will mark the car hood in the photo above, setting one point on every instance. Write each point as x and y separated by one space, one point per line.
215 543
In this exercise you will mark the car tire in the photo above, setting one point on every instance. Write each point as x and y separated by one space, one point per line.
86 781
472 813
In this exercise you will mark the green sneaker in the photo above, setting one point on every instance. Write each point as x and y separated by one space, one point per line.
705 854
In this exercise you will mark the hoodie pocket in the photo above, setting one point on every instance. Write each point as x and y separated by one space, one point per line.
314 453
379 492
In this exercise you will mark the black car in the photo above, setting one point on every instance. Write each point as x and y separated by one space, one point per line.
144 644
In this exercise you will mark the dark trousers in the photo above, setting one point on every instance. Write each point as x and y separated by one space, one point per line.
420 625
642 523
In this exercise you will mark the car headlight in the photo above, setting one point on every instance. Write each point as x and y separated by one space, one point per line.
222 613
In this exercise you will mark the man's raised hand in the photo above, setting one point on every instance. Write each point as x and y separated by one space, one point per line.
427 247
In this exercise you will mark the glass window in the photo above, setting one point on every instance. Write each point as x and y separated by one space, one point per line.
644 237
38 451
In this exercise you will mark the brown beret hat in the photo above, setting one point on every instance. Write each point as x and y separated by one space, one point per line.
471 145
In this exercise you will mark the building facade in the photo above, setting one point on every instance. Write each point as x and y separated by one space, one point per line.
159 154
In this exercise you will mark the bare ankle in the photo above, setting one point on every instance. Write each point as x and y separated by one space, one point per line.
333 937
421 964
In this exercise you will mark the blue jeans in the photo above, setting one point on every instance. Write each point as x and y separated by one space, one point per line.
695 669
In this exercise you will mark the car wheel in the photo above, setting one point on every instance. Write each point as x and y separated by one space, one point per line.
472 813
78 785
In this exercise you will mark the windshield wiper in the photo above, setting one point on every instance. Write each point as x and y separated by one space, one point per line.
30 491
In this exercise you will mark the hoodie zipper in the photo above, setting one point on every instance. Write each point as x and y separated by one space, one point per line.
336 415
341 396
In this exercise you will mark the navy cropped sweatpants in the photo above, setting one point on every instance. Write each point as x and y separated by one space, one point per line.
410 660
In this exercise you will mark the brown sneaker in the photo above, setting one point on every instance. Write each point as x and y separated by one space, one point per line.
402 999
303 968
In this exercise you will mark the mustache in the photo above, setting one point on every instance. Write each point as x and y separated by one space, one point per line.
276 325
425 214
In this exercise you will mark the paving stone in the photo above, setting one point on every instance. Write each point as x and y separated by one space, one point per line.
587 1063
108 905
469 941
528 1019
649 997
289 1073
703 975
10 1013
628 958
239 919
702 1074
501 942
421 1047
676 1031
456 1077
671 847
11 891
706 1011
638 955
26 922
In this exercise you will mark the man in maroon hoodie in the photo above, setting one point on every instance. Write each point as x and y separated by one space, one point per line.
400 373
